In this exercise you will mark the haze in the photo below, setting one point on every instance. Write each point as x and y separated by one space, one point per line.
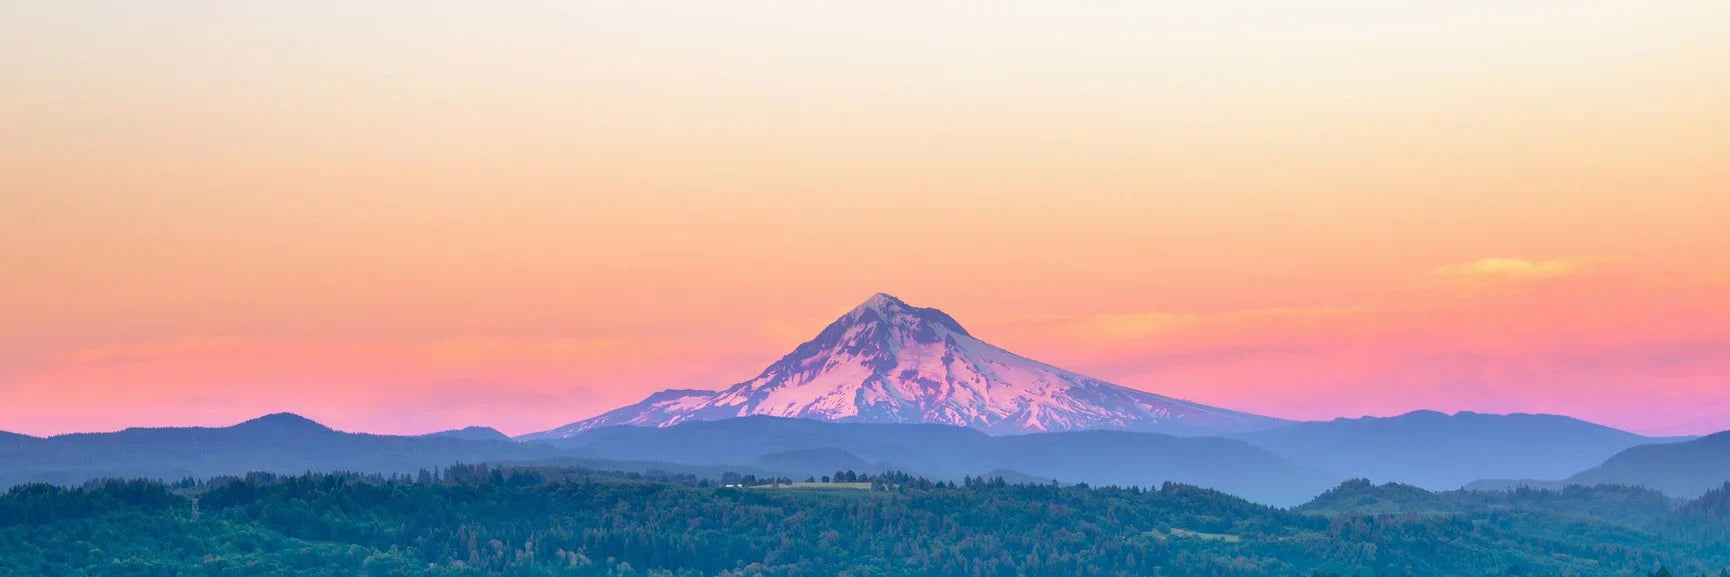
409 216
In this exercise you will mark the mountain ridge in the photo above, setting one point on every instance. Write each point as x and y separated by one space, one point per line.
1686 469
472 433
1438 451
279 443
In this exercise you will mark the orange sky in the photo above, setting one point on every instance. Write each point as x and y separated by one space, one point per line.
410 216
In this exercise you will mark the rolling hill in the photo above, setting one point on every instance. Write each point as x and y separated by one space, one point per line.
1687 469
282 442
1438 451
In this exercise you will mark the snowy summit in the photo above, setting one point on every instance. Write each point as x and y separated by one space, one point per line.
887 361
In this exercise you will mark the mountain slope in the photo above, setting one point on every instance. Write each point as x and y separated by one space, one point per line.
472 433
8 437
1687 469
659 409
888 362
950 452
282 443
1437 451
816 462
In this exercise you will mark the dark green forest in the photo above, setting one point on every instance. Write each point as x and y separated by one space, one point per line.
477 520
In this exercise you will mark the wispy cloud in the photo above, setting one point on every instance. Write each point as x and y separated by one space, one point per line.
1578 337
1150 324
1510 269
149 351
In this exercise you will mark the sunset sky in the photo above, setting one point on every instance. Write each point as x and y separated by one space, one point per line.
401 217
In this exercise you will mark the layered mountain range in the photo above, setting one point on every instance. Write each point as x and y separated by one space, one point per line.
1440 452
891 386
277 443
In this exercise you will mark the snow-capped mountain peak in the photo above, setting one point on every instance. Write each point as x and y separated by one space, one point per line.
888 361
883 307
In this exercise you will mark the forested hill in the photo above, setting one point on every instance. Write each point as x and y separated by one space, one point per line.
471 520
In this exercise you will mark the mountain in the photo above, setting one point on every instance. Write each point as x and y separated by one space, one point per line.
889 362
472 434
1438 451
748 439
274 424
1686 469
282 443
7 437
951 452
14 441
816 462
660 409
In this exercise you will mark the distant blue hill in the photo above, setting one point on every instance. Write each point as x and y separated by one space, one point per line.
11 436
941 451
1437 451
1687 469
282 443
472 434
816 462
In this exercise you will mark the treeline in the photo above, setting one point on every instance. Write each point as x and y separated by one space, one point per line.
43 504
1704 520
543 522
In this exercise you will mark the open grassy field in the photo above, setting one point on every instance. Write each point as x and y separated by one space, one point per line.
845 486
1175 532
